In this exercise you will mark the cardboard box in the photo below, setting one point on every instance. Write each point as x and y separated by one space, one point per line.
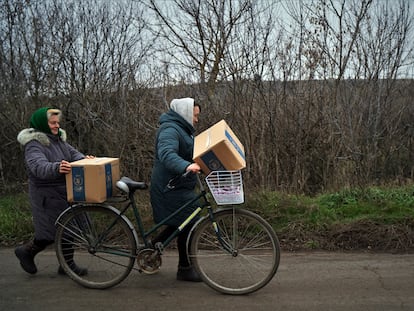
219 149
92 180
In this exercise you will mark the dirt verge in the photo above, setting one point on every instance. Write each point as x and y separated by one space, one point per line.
360 235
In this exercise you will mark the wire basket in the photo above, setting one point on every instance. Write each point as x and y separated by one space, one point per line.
226 187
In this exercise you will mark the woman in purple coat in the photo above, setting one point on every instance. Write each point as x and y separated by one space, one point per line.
47 157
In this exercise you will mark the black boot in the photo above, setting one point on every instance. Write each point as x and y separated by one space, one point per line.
26 254
188 274
67 250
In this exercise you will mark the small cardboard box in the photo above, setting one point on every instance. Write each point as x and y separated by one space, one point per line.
92 180
219 149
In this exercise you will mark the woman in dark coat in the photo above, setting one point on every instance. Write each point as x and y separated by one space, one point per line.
173 157
47 157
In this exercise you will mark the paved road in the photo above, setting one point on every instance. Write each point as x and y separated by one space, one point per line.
305 281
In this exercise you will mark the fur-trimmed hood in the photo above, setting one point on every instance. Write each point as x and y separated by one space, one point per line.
30 134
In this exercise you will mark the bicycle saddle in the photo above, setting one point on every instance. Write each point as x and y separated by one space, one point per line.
126 184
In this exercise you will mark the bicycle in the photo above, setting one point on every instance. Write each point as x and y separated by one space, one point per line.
234 250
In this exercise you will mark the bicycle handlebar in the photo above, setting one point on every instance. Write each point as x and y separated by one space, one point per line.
173 182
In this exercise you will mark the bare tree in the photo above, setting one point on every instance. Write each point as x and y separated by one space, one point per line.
23 70
198 33
315 95
344 40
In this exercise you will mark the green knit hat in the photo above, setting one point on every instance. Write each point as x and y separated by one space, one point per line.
39 120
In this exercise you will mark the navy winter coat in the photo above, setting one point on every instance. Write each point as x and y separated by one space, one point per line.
173 153
47 187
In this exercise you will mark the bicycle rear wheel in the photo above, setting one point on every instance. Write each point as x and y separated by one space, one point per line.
97 238
250 260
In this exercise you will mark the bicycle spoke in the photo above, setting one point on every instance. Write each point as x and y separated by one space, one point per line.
255 252
97 239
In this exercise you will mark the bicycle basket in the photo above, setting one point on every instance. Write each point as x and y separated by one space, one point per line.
226 187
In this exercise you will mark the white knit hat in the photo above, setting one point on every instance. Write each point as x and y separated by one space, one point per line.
184 107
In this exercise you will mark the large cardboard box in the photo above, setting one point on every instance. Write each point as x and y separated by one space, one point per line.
219 149
92 180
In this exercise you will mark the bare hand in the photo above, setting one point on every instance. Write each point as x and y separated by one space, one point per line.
64 167
194 167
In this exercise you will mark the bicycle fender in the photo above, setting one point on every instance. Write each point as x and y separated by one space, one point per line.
68 210
187 243
109 207
218 210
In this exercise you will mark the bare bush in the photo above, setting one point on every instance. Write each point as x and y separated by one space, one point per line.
315 94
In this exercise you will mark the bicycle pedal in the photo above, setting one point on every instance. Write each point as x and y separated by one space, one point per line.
159 247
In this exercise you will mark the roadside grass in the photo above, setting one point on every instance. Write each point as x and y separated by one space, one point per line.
374 218
385 205
350 216
15 219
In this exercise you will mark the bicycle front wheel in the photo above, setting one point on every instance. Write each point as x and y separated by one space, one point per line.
241 257
98 239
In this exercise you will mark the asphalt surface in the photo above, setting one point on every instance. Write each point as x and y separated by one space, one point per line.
304 281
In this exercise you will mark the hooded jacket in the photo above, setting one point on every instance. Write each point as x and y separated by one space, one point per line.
173 153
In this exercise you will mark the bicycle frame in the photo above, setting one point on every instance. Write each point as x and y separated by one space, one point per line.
145 234
222 243
203 204
202 196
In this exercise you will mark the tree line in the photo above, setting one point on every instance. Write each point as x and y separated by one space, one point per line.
319 92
